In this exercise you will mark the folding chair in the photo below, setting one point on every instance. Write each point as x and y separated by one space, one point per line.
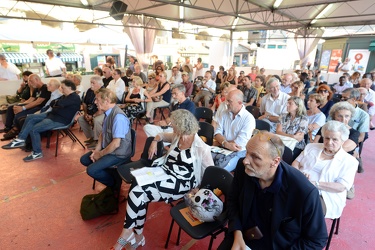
255 111
206 130
262 125
204 113
335 224
67 131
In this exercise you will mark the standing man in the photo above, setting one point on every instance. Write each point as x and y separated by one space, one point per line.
213 72
107 76
114 143
249 92
272 205
178 94
8 71
234 129
273 104
189 66
62 113
287 82
176 76
54 66
198 68
207 89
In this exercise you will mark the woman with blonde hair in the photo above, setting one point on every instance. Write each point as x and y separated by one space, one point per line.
231 77
136 99
294 124
315 116
184 163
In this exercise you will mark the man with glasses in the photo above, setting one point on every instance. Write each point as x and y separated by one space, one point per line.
272 205
286 83
178 94
360 120
107 76
273 104
138 72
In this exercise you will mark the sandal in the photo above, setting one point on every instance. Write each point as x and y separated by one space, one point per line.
142 242
123 242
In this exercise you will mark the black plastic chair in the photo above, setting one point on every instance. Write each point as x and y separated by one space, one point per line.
134 139
214 177
161 111
255 111
288 155
204 113
206 130
262 125
64 130
124 169
335 224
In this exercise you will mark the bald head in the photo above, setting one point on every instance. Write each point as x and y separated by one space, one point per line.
366 83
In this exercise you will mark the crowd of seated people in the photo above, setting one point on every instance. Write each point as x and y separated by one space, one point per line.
299 106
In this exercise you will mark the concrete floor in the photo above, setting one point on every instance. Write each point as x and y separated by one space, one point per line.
40 202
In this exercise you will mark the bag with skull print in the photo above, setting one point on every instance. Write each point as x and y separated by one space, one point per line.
203 204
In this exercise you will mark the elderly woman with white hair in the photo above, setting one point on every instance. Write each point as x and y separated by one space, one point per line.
343 112
329 167
184 163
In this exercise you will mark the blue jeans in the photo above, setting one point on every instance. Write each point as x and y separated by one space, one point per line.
34 125
99 170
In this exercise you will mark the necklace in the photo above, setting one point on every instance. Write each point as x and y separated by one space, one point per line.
328 154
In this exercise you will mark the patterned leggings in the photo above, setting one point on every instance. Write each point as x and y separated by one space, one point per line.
139 197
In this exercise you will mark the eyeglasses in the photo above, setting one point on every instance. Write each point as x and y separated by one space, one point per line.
264 137
323 91
344 98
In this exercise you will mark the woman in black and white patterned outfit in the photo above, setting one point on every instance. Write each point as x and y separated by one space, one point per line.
185 163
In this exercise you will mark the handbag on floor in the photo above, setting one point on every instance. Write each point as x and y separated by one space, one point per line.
95 205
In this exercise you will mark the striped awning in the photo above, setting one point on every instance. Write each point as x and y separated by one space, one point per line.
18 57
65 57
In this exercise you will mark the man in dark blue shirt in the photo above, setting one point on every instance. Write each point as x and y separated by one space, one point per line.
272 205
178 94
63 111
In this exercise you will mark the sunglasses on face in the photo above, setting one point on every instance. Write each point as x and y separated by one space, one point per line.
323 91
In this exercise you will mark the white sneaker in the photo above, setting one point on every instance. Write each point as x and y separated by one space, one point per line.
16 143
33 156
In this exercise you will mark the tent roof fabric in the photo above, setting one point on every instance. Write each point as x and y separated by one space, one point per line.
65 57
251 14
18 57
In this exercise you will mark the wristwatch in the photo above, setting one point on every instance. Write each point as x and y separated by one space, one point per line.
223 142
267 116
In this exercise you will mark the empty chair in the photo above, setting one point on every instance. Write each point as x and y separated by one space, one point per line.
67 131
214 177
207 131
255 111
262 125
204 113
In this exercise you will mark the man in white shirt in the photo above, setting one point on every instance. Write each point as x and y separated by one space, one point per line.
54 66
176 76
234 129
117 85
8 71
341 85
207 89
273 104
287 81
